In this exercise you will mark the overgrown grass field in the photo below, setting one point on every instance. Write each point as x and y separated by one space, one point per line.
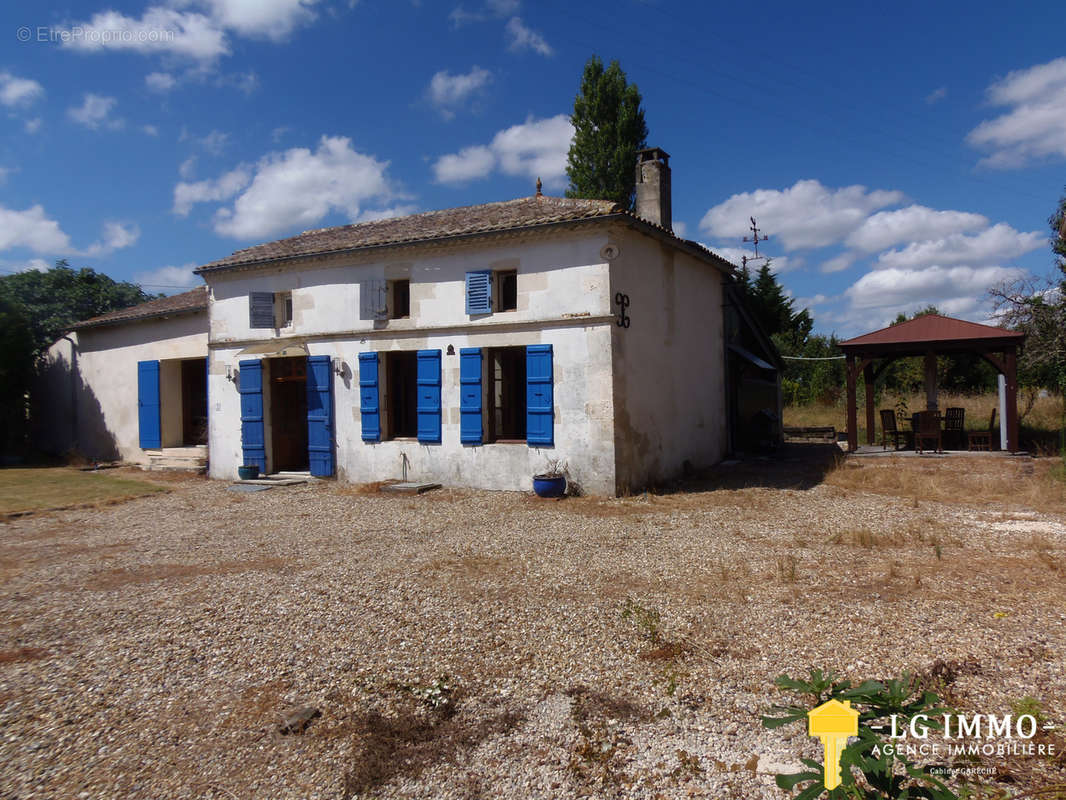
39 489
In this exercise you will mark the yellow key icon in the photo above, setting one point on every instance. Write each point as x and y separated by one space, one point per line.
833 722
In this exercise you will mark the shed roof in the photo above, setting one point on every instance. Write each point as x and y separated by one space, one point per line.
184 303
508 215
932 329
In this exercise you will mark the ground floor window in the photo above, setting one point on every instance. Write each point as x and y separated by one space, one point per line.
401 400
506 390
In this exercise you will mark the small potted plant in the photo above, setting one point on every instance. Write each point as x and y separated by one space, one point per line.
552 481
248 472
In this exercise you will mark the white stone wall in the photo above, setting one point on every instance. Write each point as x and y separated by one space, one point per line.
669 390
105 384
563 300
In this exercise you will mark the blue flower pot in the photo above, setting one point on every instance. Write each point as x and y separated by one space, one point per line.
249 472
549 486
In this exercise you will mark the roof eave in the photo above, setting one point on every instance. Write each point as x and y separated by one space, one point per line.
370 248
77 326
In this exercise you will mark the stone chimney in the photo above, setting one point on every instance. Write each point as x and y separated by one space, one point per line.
653 187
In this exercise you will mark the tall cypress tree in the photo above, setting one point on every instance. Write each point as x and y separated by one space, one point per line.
609 129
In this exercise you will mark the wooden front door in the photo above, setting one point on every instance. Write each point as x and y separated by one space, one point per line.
288 413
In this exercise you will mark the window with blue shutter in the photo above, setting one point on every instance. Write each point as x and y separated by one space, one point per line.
479 292
253 437
470 395
369 397
148 419
428 404
540 395
261 310
320 415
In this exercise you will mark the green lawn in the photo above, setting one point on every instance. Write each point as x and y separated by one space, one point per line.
44 488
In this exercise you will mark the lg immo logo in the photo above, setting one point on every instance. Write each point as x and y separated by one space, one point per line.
967 734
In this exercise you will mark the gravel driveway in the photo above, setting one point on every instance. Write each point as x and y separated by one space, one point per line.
492 645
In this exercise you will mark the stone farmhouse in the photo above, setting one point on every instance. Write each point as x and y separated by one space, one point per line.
470 346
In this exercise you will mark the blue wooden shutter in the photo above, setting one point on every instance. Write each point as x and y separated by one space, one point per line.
540 395
148 405
470 395
368 397
253 438
320 415
428 407
479 292
261 310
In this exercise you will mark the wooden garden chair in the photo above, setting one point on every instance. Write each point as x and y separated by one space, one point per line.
890 431
982 440
928 430
954 427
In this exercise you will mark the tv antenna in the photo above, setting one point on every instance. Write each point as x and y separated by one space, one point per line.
755 238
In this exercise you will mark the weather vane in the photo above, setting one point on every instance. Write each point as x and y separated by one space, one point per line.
755 238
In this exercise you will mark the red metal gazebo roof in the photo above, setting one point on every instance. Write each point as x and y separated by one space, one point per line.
933 329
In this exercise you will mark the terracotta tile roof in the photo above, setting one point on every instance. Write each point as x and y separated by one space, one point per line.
931 328
525 212
184 303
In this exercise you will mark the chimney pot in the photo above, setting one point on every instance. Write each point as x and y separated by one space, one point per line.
653 187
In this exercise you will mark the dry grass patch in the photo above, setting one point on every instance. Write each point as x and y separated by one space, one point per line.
25 491
1011 482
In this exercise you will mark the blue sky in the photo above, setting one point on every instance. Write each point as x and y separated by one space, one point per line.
898 155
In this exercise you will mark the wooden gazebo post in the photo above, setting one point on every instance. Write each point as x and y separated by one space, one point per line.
868 381
853 434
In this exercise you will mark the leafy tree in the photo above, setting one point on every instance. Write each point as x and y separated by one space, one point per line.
36 308
16 371
609 129
54 300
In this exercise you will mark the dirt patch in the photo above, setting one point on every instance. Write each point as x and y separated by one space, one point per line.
124 576
18 654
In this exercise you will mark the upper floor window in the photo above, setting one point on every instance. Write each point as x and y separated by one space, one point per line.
399 299
488 291
269 309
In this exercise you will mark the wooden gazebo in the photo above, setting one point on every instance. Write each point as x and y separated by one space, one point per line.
929 336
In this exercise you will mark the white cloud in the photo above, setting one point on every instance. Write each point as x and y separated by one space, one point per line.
95 111
954 290
298 187
807 214
998 243
521 37
448 92
736 255
18 92
150 130
1034 126
33 125
468 164
169 279
680 228
535 149
160 81
194 29
31 229
116 236
186 195
839 263
911 224
4 172
160 30
503 8
271 19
